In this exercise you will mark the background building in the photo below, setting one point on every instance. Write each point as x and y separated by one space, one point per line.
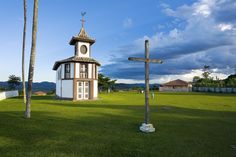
176 86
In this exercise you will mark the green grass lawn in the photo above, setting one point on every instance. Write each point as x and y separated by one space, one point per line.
187 125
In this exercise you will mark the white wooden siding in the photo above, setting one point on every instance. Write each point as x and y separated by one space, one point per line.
71 70
62 71
58 88
77 70
89 71
67 88
95 89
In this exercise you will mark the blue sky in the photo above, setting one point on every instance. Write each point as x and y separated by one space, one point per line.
186 34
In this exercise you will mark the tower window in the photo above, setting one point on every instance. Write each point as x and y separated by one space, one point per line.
67 71
83 71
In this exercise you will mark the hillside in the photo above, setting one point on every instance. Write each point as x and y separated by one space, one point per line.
49 86
37 86
124 86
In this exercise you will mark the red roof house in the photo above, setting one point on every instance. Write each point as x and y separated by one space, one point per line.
176 86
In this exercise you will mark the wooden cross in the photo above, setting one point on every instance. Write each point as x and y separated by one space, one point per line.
83 21
147 61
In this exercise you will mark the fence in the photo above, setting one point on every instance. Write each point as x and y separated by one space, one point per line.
214 89
8 94
175 89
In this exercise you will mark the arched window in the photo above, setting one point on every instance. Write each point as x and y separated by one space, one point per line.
83 70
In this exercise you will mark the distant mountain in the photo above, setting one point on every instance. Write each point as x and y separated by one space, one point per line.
37 86
3 84
49 86
124 86
44 86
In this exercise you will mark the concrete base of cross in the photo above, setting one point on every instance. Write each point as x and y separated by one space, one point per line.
147 128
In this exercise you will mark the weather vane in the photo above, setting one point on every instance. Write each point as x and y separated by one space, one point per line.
83 14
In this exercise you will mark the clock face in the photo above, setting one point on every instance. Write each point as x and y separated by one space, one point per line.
83 49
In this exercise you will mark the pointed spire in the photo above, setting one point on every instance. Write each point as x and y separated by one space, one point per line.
82 36
82 32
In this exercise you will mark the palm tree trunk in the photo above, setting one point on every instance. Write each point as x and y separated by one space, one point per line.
23 52
32 59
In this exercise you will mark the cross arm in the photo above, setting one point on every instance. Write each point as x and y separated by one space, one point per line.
156 61
145 60
136 59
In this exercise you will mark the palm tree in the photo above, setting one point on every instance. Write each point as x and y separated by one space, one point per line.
32 59
23 51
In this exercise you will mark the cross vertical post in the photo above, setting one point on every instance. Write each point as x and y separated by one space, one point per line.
146 126
147 82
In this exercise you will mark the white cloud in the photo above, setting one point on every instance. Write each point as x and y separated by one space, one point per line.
225 27
203 7
166 78
186 77
131 81
164 5
174 33
127 23
204 40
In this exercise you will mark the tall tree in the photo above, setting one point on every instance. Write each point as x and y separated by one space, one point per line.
105 83
196 78
13 82
206 72
23 52
32 59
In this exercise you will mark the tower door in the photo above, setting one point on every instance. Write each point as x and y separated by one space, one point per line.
83 90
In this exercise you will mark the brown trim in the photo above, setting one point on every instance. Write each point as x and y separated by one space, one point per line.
75 59
74 84
91 96
75 39
57 64
78 79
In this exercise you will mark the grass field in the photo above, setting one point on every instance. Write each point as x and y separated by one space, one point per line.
187 124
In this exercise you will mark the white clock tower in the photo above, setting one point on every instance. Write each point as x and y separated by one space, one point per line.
77 76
